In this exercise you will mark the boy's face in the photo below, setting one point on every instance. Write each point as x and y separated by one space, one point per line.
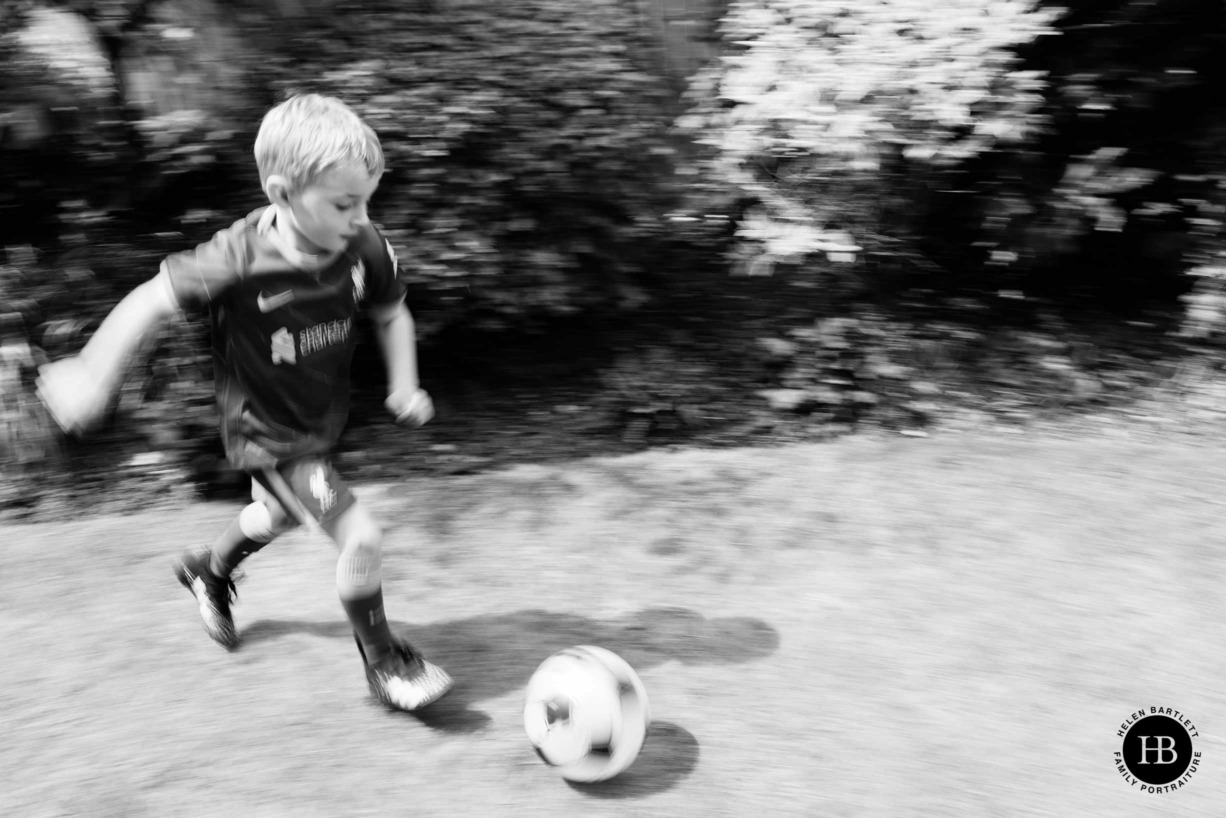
329 211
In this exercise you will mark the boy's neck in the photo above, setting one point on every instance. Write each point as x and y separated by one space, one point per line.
289 241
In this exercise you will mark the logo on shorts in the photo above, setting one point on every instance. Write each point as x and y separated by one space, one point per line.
1157 754
321 491
283 347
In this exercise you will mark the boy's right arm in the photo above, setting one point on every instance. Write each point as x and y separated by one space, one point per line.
78 390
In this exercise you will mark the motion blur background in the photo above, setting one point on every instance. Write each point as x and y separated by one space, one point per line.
642 222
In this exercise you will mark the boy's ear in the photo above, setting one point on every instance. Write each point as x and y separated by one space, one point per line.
277 187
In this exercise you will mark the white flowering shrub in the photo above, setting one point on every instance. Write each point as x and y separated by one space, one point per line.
836 115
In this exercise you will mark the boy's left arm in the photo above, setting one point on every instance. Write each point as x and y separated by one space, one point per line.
395 330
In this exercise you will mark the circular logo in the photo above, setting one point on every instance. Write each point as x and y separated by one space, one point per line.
1157 750
1157 753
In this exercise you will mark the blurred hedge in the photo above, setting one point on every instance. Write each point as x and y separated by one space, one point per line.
530 164
528 149
528 153
1066 150
839 120
1123 195
1014 142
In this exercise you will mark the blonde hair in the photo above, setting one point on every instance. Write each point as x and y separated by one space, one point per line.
309 134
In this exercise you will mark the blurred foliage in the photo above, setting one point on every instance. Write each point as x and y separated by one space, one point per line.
1122 194
1072 153
964 151
837 119
529 160
528 155
529 165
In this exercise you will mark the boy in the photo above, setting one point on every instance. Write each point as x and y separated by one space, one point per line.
283 286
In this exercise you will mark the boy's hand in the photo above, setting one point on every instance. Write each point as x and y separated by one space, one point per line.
72 394
411 407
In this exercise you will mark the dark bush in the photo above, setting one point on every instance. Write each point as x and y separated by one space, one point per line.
527 150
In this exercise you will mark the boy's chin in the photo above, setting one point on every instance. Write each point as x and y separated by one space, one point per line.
324 249
336 245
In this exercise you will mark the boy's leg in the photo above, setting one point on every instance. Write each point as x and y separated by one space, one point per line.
207 574
398 675
359 578
258 524
311 490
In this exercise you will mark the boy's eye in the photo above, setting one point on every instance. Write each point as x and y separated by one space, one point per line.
344 207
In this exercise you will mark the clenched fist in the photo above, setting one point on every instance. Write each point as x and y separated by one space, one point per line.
410 407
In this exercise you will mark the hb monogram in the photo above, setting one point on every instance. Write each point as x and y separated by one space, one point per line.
1165 745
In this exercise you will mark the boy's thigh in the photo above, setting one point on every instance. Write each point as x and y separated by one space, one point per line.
306 487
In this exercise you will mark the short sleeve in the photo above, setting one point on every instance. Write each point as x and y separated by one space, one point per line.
199 277
384 284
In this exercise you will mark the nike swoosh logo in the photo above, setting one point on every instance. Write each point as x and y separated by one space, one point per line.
268 303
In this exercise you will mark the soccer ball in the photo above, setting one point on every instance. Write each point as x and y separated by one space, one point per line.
586 713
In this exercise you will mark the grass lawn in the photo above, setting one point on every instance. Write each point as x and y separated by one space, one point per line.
946 626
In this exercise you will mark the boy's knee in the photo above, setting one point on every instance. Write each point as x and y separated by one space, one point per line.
359 569
274 514
263 521
356 528
360 538
278 517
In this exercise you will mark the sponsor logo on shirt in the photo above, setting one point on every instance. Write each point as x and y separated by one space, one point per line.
283 347
322 336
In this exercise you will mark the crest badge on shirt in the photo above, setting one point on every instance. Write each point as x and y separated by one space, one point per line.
358 272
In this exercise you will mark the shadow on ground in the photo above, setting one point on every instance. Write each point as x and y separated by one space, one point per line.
493 655
669 755
490 656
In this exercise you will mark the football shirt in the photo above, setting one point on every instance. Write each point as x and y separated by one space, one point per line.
282 332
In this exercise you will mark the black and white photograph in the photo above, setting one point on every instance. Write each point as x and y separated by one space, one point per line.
647 408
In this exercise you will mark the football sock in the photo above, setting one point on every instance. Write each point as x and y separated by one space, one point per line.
247 533
370 624
360 587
